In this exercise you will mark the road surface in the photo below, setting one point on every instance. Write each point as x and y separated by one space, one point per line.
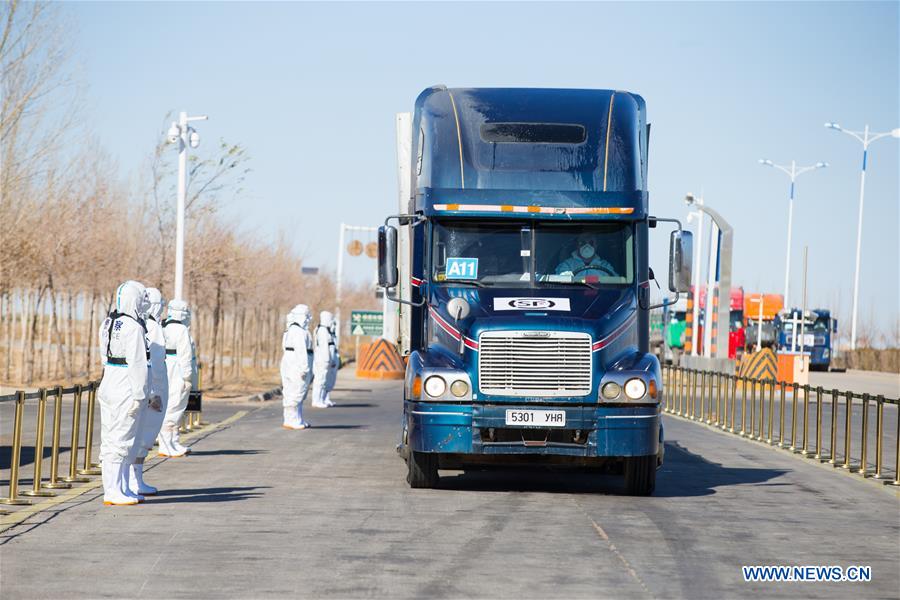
262 512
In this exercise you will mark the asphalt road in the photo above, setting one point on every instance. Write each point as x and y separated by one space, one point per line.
261 512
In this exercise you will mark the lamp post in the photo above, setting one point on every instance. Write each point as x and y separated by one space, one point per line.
793 172
184 135
865 137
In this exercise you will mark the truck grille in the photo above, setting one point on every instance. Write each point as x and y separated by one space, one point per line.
534 363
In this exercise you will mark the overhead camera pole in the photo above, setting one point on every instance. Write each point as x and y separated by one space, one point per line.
184 135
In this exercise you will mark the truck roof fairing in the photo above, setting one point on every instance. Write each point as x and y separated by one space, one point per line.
545 152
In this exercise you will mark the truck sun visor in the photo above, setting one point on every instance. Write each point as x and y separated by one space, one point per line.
533 133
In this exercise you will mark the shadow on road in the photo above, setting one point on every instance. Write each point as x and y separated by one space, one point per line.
684 474
314 426
357 405
687 474
27 455
226 452
215 494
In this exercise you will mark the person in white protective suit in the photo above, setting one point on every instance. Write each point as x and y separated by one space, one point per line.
296 367
123 391
179 357
324 360
331 380
152 416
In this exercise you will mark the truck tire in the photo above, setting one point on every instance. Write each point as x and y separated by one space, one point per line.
640 475
422 470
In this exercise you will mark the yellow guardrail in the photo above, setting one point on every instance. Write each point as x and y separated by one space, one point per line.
748 407
40 487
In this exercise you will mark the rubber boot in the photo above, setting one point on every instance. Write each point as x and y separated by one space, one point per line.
124 480
112 491
179 448
136 479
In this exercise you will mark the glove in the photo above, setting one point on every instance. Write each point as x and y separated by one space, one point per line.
187 387
135 407
156 403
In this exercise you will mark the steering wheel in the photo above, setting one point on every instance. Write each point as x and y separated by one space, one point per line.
594 268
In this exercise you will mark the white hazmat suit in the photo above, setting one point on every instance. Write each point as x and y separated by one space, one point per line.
324 361
179 357
296 367
123 391
152 415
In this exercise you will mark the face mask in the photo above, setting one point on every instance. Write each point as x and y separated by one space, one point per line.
586 251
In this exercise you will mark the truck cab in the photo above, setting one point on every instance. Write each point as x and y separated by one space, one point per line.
812 331
523 245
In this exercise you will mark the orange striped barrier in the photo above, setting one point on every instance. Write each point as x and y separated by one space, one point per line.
380 360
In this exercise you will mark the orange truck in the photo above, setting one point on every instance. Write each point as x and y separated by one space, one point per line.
760 311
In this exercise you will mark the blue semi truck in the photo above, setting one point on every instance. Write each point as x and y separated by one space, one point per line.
817 328
520 261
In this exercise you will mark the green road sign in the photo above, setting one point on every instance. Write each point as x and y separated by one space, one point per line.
366 322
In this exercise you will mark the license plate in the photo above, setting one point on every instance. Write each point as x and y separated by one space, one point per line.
536 418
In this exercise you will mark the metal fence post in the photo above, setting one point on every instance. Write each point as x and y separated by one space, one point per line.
752 408
54 483
13 498
721 411
805 451
771 435
795 390
39 451
743 406
781 410
73 448
879 434
699 414
896 481
733 390
819 454
832 460
90 468
849 413
864 437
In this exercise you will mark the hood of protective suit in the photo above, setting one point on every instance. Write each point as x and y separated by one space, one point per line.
155 303
299 314
179 311
326 319
131 299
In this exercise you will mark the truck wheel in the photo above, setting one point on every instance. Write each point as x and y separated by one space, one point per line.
422 470
640 475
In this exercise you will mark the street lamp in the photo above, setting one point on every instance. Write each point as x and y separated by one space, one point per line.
866 138
793 172
184 135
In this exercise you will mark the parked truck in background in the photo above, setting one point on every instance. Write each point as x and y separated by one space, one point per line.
771 306
817 332
736 333
524 282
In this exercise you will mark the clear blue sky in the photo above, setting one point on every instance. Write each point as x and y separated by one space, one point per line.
311 90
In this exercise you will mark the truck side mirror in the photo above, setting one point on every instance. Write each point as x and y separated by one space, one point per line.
834 325
681 251
387 256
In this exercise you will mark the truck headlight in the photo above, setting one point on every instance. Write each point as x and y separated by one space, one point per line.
435 386
610 390
634 388
459 388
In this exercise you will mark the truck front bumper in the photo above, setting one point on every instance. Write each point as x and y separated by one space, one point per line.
481 429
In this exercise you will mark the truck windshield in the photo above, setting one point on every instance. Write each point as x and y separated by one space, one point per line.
523 254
